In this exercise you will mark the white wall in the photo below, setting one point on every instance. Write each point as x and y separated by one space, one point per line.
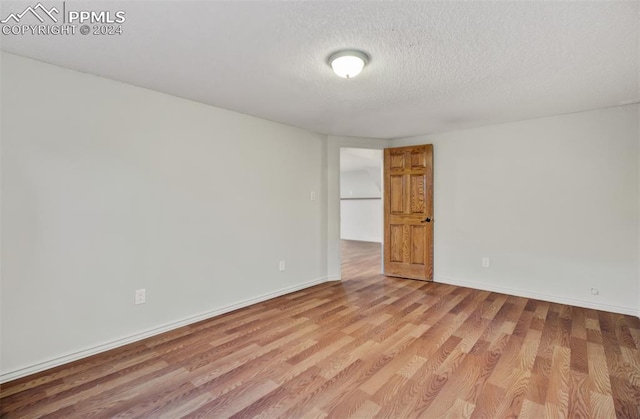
361 183
361 215
552 202
107 188
361 219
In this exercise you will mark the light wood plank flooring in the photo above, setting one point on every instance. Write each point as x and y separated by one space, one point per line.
369 346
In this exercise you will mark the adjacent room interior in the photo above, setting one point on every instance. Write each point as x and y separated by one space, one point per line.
193 209
361 209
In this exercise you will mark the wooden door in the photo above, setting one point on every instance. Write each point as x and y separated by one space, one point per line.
408 212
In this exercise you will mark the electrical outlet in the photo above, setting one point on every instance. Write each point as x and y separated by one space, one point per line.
595 291
485 262
313 195
282 266
141 296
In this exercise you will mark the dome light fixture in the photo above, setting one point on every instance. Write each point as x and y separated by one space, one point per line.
348 63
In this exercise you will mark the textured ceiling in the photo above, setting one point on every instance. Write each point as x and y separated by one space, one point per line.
435 66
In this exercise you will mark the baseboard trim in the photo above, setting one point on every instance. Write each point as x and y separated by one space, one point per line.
538 296
94 350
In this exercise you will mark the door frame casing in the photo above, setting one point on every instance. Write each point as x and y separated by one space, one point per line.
332 158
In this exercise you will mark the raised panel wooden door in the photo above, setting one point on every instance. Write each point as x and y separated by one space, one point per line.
408 212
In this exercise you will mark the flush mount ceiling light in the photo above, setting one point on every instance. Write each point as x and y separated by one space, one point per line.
348 63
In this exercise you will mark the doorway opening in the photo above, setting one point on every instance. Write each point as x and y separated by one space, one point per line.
361 211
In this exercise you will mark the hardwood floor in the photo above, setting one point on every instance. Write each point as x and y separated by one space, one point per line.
369 346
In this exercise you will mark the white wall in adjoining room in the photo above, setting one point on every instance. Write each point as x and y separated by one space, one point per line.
108 188
361 209
361 183
361 220
553 202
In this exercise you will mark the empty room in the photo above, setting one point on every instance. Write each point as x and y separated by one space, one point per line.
320 209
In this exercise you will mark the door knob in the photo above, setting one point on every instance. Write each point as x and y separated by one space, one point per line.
426 220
